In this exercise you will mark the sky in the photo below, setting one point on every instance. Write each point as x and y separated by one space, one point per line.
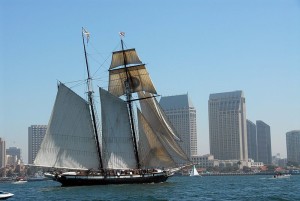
197 47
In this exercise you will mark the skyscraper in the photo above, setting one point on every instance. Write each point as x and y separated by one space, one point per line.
182 115
293 146
2 153
264 149
252 140
227 126
36 135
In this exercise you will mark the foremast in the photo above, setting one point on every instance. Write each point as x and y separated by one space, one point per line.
129 102
90 98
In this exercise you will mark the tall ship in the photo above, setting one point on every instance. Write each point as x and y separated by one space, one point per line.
136 142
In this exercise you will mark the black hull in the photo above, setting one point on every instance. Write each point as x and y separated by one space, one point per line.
67 180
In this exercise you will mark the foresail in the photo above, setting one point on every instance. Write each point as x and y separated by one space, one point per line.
139 80
69 141
158 121
118 58
117 143
152 153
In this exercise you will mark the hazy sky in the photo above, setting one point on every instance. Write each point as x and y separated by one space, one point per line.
196 47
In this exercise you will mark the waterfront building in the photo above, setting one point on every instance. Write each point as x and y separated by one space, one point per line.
2 153
205 161
282 162
11 160
253 164
227 126
293 146
264 149
278 161
208 160
36 135
182 114
14 151
252 140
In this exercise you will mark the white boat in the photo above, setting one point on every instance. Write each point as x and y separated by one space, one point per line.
136 144
19 181
194 172
5 195
37 178
281 176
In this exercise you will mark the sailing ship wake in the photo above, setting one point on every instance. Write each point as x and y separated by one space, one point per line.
123 152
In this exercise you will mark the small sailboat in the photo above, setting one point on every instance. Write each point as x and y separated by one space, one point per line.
135 145
194 172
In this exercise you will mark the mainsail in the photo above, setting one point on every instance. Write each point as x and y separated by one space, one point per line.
152 152
69 141
162 127
117 144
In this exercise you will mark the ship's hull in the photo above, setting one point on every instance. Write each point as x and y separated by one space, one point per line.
88 180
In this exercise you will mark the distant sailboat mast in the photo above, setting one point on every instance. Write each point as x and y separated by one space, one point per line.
129 101
90 97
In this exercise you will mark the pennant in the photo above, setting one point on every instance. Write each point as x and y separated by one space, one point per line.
87 34
122 34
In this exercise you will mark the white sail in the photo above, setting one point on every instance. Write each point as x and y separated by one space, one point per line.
139 80
117 143
158 121
151 151
194 172
70 140
118 58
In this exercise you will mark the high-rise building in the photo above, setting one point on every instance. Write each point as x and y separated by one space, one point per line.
264 149
293 146
227 126
2 153
252 140
182 114
14 152
36 135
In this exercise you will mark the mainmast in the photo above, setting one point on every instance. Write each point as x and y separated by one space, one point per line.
129 102
90 97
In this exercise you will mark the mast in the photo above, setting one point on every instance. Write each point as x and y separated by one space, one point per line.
90 98
129 101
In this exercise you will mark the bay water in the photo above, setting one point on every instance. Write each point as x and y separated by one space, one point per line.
248 188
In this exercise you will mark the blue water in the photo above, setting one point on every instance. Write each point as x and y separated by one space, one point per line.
247 188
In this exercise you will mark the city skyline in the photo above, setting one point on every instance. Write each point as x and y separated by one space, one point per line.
191 47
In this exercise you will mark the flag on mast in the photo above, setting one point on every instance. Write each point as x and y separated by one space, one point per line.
122 34
86 33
